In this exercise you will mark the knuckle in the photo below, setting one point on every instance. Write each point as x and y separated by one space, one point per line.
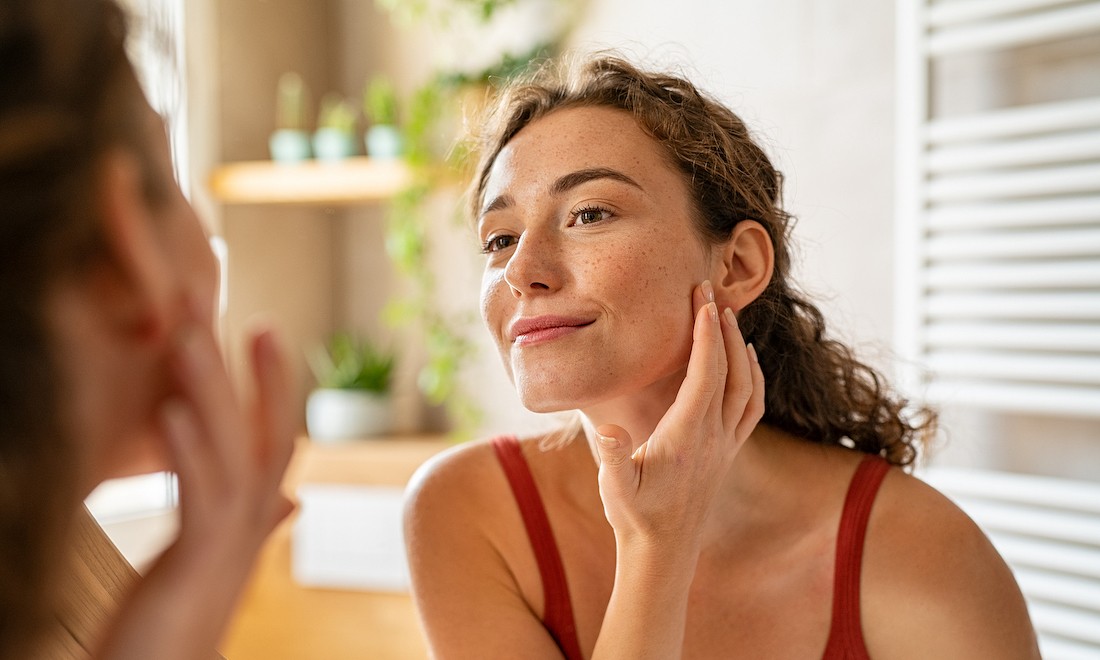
742 392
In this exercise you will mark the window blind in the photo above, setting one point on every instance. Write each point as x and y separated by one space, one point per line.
998 242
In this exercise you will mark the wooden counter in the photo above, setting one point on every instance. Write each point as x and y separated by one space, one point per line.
280 620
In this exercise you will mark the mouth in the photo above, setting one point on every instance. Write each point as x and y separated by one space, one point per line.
536 329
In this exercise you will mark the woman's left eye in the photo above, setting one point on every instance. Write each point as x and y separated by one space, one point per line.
590 214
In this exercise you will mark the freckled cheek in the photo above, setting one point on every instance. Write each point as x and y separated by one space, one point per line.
635 281
495 303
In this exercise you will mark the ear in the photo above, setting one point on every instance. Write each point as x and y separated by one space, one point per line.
137 275
743 266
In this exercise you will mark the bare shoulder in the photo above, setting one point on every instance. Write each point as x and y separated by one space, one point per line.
933 585
460 481
473 576
455 463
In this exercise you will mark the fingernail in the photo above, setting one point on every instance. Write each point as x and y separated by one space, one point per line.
708 291
752 354
712 308
731 319
608 441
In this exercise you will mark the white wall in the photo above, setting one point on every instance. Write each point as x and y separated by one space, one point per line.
815 81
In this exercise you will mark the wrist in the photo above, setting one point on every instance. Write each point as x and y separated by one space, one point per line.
655 561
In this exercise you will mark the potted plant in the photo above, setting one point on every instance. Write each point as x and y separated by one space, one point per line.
334 138
289 143
383 138
352 399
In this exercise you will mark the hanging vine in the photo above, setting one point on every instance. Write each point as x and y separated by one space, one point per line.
407 237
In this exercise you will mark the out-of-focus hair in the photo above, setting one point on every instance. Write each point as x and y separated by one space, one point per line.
68 93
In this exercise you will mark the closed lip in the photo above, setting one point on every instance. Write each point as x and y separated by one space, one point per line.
532 324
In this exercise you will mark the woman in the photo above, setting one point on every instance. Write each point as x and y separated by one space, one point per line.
108 361
716 503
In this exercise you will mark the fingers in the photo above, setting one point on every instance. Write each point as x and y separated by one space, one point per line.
739 379
701 295
706 370
272 408
723 375
618 473
754 410
205 386
192 458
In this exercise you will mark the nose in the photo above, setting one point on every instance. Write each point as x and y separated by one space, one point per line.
534 266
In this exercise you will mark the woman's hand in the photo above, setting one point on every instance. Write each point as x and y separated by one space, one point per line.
657 498
230 464
663 491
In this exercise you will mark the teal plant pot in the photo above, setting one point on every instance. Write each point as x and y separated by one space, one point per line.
333 144
384 142
289 146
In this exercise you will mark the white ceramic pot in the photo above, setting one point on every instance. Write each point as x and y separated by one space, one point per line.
334 415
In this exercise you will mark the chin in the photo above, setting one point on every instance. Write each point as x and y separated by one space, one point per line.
540 394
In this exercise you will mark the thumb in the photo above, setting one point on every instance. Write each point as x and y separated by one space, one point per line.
614 447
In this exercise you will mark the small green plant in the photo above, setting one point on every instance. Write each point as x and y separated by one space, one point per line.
336 113
350 363
291 102
380 102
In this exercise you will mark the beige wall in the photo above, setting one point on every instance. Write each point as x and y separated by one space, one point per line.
281 260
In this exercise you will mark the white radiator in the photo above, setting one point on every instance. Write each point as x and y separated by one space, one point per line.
998 213
1048 530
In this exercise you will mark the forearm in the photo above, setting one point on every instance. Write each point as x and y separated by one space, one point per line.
647 613
179 611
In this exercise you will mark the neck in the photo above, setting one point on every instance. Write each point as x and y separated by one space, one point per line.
637 413
751 477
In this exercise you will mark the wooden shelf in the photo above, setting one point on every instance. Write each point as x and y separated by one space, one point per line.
351 181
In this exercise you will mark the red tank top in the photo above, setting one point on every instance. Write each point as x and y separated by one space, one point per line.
845 633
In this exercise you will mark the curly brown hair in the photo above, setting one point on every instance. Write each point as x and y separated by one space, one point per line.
817 389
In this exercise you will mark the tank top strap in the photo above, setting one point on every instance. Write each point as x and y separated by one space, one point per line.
558 610
846 631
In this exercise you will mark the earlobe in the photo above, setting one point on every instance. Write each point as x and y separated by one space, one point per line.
140 275
747 262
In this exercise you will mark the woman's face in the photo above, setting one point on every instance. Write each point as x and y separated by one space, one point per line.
591 259
184 240
186 262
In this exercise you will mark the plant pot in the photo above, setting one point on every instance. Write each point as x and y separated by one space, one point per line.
289 146
334 415
383 141
333 144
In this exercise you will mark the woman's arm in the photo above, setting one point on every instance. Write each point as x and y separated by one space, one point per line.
469 599
658 498
230 465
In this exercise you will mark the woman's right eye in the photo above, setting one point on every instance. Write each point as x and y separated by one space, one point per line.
498 243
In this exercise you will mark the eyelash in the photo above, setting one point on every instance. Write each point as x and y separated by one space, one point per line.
489 246
590 209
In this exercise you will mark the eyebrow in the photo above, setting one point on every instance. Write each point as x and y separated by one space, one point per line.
566 183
